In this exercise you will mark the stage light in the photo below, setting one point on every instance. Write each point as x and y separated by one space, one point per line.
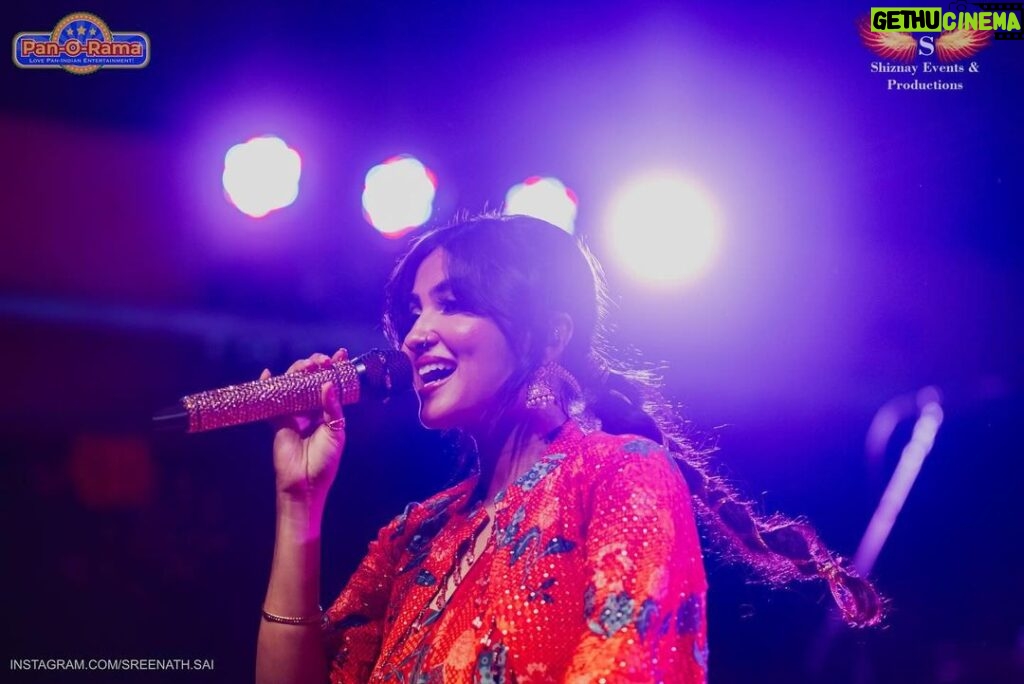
665 229
544 198
261 175
398 195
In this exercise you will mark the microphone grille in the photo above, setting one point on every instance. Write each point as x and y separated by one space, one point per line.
384 372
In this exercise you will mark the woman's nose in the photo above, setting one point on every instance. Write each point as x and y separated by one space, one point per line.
420 338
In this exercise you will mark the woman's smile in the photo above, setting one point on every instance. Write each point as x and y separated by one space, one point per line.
432 373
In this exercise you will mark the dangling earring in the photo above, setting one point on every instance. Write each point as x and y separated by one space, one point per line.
550 383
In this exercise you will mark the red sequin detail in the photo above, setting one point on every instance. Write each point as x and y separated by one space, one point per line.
593 573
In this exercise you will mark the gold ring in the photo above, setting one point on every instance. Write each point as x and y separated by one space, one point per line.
336 425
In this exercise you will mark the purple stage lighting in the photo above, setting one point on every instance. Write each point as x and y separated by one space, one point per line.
665 229
544 198
398 195
261 175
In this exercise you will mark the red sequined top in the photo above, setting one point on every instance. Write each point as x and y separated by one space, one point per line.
591 573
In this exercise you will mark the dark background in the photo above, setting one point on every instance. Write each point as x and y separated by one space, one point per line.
871 249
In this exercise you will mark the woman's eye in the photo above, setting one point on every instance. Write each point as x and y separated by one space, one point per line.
449 306
445 306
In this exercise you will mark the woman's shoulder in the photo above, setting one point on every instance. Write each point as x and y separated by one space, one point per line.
594 456
602 449
631 468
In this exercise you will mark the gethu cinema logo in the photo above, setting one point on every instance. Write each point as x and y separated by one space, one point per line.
999 17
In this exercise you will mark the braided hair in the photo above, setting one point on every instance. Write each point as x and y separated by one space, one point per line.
519 271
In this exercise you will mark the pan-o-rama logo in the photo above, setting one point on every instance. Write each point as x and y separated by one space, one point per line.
81 43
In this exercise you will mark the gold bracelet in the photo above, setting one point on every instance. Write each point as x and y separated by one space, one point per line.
319 619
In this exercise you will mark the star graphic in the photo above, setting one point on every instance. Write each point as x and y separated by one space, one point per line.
70 31
81 30
92 31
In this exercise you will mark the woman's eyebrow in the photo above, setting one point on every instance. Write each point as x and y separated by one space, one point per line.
442 288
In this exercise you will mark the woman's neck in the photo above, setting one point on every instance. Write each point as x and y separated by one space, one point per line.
512 447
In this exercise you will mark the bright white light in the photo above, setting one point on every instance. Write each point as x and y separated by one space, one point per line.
544 198
665 229
398 195
261 175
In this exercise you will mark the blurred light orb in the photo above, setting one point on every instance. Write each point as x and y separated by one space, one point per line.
261 175
544 198
398 195
664 228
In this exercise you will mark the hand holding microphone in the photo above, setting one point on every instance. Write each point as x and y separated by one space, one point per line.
306 401
308 446
376 374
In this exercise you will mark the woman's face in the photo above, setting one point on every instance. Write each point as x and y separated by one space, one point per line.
460 359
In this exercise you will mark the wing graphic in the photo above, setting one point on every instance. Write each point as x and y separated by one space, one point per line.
958 45
897 46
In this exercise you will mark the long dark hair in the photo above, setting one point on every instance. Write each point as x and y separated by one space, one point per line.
520 271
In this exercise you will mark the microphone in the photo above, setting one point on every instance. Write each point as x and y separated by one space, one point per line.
376 374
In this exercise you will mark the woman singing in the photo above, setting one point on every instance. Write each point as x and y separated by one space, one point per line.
567 551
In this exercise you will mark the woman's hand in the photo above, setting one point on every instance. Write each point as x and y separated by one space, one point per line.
308 446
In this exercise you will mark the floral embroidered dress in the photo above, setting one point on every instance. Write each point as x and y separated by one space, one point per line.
591 573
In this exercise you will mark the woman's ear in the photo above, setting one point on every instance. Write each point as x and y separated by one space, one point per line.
559 333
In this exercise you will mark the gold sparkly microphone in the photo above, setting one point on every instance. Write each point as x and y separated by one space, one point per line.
376 374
